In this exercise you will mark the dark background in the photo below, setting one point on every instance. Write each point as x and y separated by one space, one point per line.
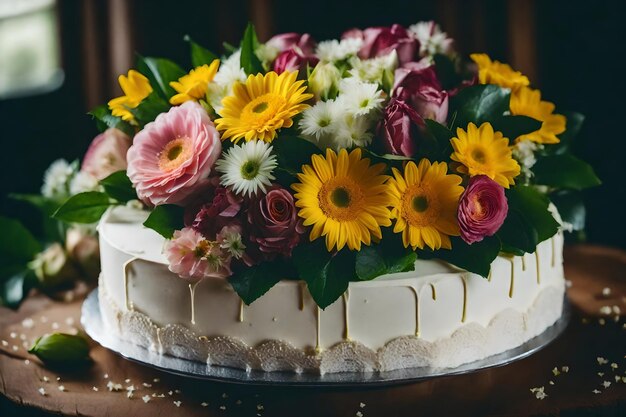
571 50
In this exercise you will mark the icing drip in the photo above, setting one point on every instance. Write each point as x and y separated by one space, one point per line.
302 289
489 276
125 267
524 262
433 292
553 250
417 310
464 281
318 347
203 338
346 299
241 305
192 294
512 260
538 266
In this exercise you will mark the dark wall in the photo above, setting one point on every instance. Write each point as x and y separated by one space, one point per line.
580 66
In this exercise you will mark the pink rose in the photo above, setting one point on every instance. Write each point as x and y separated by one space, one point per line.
379 41
482 209
400 128
274 223
417 84
83 248
219 209
293 60
106 154
302 42
172 157
194 258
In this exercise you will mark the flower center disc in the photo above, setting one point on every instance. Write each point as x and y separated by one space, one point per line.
249 170
420 206
174 154
340 199
478 155
262 109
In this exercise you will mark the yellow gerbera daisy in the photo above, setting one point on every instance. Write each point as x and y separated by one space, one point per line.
527 102
495 72
424 203
481 151
193 86
344 198
136 87
261 106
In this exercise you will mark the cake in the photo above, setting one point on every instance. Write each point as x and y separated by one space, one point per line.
371 203
436 316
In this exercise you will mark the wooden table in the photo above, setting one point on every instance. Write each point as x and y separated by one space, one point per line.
504 391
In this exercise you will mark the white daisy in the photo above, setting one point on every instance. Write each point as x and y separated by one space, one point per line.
320 121
432 40
57 178
354 131
229 73
247 168
373 70
360 98
334 50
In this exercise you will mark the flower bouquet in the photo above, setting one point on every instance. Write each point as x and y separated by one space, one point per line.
331 162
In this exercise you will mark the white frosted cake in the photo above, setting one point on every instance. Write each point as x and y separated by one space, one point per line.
436 315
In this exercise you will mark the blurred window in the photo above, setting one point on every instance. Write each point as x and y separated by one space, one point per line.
29 48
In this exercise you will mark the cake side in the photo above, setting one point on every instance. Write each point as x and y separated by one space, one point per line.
436 315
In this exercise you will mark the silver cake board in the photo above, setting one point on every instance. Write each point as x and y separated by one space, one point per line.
91 320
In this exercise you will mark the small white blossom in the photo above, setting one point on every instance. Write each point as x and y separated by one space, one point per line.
228 74
246 169
232 243
57 178
319 123
431 39
354 131
524 153
334 50
373 70
83 182
324 80
360 98
266 52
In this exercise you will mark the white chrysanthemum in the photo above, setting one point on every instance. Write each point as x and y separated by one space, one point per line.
229 73
373 70
246 169
231 242
360 98
57 178
324 79
334 50
431 39
83 182
354 131
320 121
524 154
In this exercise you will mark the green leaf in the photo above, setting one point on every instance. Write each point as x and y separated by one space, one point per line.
480 103
252 282
199 55
564 171
441 136
17 246
292 152
16 288
571 208
160 72
446 72
85 207
383 258
228 47
46 205
573 126
118 186
327 274
149 108
475 258
61 349
514 126
517 233
249 61
166 219
104 120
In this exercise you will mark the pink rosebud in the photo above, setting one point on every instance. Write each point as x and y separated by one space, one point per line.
194 258
400 129
482 209
417 84
83 248
379 41
292 60
106 154
274 223
217 208
172 157
303 42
